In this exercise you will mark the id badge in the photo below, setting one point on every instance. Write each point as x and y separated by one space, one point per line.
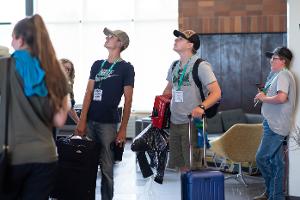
97 94
178 96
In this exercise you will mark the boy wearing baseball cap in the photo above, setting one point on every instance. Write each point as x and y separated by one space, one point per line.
186 98
109 80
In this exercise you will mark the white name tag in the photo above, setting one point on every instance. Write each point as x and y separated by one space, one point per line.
178 96
97 94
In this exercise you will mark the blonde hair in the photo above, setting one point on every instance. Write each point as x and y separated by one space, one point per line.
34 33
71 75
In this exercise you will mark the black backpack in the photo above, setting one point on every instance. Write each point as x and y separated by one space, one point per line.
212 111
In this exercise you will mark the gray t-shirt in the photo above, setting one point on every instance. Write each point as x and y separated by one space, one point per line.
279 116
191 94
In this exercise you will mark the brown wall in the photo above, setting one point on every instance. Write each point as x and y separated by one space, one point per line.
233 16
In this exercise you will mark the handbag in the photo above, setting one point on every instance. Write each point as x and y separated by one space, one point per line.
4 156
118 151
161 112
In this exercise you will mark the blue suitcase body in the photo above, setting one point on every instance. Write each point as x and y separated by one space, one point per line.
202 185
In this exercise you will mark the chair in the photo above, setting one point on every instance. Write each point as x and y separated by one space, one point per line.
239 144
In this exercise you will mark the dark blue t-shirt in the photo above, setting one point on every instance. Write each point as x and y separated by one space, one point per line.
106 110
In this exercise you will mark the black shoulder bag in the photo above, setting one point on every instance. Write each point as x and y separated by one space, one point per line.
213 110
4 156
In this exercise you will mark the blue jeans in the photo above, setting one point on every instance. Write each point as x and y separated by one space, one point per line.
270 161
104 135
30 181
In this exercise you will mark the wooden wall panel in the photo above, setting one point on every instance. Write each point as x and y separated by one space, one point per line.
251 70
210 50
239 62
231 80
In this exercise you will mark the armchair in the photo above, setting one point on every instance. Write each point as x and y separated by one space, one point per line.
239 144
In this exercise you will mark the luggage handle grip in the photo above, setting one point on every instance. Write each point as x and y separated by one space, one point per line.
190 143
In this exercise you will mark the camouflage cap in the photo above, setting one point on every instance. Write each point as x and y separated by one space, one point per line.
121 35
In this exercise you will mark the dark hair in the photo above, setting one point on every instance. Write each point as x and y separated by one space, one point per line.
194 51
34 33
286 60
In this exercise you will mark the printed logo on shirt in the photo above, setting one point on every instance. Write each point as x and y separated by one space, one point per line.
176 77
102 75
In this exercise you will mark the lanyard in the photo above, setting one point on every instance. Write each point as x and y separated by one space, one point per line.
183 73
104 76
269 83
109 70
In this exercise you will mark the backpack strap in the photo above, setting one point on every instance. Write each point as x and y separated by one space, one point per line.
196 77
174 64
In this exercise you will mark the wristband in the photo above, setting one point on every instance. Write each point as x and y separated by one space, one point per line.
202 107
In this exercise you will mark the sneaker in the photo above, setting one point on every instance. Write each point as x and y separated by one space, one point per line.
263 196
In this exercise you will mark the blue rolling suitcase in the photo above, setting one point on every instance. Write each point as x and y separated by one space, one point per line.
202 184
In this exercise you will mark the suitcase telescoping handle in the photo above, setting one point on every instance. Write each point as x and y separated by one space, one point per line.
190 140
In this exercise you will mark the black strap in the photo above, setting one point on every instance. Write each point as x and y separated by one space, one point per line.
195 76
6 108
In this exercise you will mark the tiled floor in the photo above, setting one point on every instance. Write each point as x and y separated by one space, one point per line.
130 185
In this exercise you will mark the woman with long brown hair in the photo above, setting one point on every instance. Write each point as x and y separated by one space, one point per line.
38 101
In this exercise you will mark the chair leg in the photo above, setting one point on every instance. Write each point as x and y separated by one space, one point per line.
219 160
239 177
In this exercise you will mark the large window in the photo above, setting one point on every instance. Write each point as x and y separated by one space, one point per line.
10 12
76 27
76 30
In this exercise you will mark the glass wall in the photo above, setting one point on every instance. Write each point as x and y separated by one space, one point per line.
76 29
10 12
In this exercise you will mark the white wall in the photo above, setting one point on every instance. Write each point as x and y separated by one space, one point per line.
293 39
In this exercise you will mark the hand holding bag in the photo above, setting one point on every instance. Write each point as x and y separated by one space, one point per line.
4 156
118 150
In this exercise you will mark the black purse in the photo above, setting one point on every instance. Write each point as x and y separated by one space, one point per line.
4 156
118 151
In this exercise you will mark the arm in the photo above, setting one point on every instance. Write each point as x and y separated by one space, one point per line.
60 117
280 97
81 126
128 92
72 113
213 97
168 89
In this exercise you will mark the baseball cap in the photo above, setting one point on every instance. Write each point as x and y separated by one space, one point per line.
121 35
189 35
280 51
